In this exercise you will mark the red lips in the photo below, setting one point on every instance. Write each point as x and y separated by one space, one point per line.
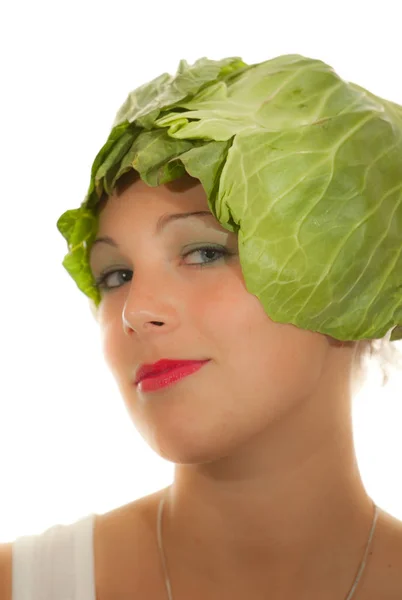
161 366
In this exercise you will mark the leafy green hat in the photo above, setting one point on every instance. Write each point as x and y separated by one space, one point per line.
305 167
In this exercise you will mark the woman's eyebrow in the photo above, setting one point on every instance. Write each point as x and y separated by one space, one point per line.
168 218
160 225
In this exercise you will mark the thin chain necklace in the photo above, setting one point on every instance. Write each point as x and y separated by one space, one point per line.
167 580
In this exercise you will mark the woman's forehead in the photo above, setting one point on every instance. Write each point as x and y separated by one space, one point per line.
137 204
133 194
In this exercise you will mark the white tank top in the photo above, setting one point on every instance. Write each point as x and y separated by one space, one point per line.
55 565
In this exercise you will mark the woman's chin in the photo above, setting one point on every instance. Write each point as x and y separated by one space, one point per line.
189 449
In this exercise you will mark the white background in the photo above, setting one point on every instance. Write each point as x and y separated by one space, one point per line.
67 445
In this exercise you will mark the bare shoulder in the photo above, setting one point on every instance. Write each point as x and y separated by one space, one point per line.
6 551
126 559
383 576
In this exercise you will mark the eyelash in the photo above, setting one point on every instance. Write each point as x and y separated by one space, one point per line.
100 282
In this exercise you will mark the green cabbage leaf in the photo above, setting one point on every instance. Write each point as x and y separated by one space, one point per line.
305 167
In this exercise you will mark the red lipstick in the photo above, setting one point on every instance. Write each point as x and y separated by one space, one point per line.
165 372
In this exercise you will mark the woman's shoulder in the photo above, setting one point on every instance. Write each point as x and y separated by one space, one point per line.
126 556
6 552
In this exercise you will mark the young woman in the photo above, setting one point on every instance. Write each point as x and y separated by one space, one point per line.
267 499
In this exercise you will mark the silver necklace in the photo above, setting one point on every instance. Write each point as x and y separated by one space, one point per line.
163 559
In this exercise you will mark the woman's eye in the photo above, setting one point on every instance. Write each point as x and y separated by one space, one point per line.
118 277
113 279
208 252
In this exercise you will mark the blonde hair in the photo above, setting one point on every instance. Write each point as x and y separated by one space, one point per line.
382 351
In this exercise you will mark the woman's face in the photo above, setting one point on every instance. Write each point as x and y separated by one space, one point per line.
258 369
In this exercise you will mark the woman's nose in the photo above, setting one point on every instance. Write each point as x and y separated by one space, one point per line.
150 311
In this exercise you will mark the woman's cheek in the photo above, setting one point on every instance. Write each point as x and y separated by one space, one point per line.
112 346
